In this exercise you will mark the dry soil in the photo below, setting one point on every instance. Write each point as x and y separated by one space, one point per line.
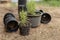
50 31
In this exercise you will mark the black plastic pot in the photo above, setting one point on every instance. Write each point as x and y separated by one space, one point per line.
46 18
22 2
22 5
34 20
24 30
11 25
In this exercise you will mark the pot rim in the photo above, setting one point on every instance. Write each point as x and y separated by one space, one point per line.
13 21
33 15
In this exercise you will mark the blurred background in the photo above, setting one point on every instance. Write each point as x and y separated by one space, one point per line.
55 3
50 31
13 3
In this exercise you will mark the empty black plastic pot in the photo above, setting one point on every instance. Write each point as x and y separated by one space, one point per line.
46 18
11 25
22 5
22 2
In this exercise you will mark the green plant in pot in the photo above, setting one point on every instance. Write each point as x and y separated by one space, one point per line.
24 25
34 17
31 7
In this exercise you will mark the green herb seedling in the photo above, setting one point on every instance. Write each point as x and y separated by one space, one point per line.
23 17
31 7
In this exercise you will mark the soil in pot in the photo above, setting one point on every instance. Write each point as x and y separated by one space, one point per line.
24 30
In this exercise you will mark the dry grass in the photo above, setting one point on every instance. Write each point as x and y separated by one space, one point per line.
49 31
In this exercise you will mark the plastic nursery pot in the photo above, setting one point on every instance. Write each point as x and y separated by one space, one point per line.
11 25
24 30
22 5
39 11
46 18
22 2
34 20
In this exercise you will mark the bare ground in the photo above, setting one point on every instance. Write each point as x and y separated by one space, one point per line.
50 31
